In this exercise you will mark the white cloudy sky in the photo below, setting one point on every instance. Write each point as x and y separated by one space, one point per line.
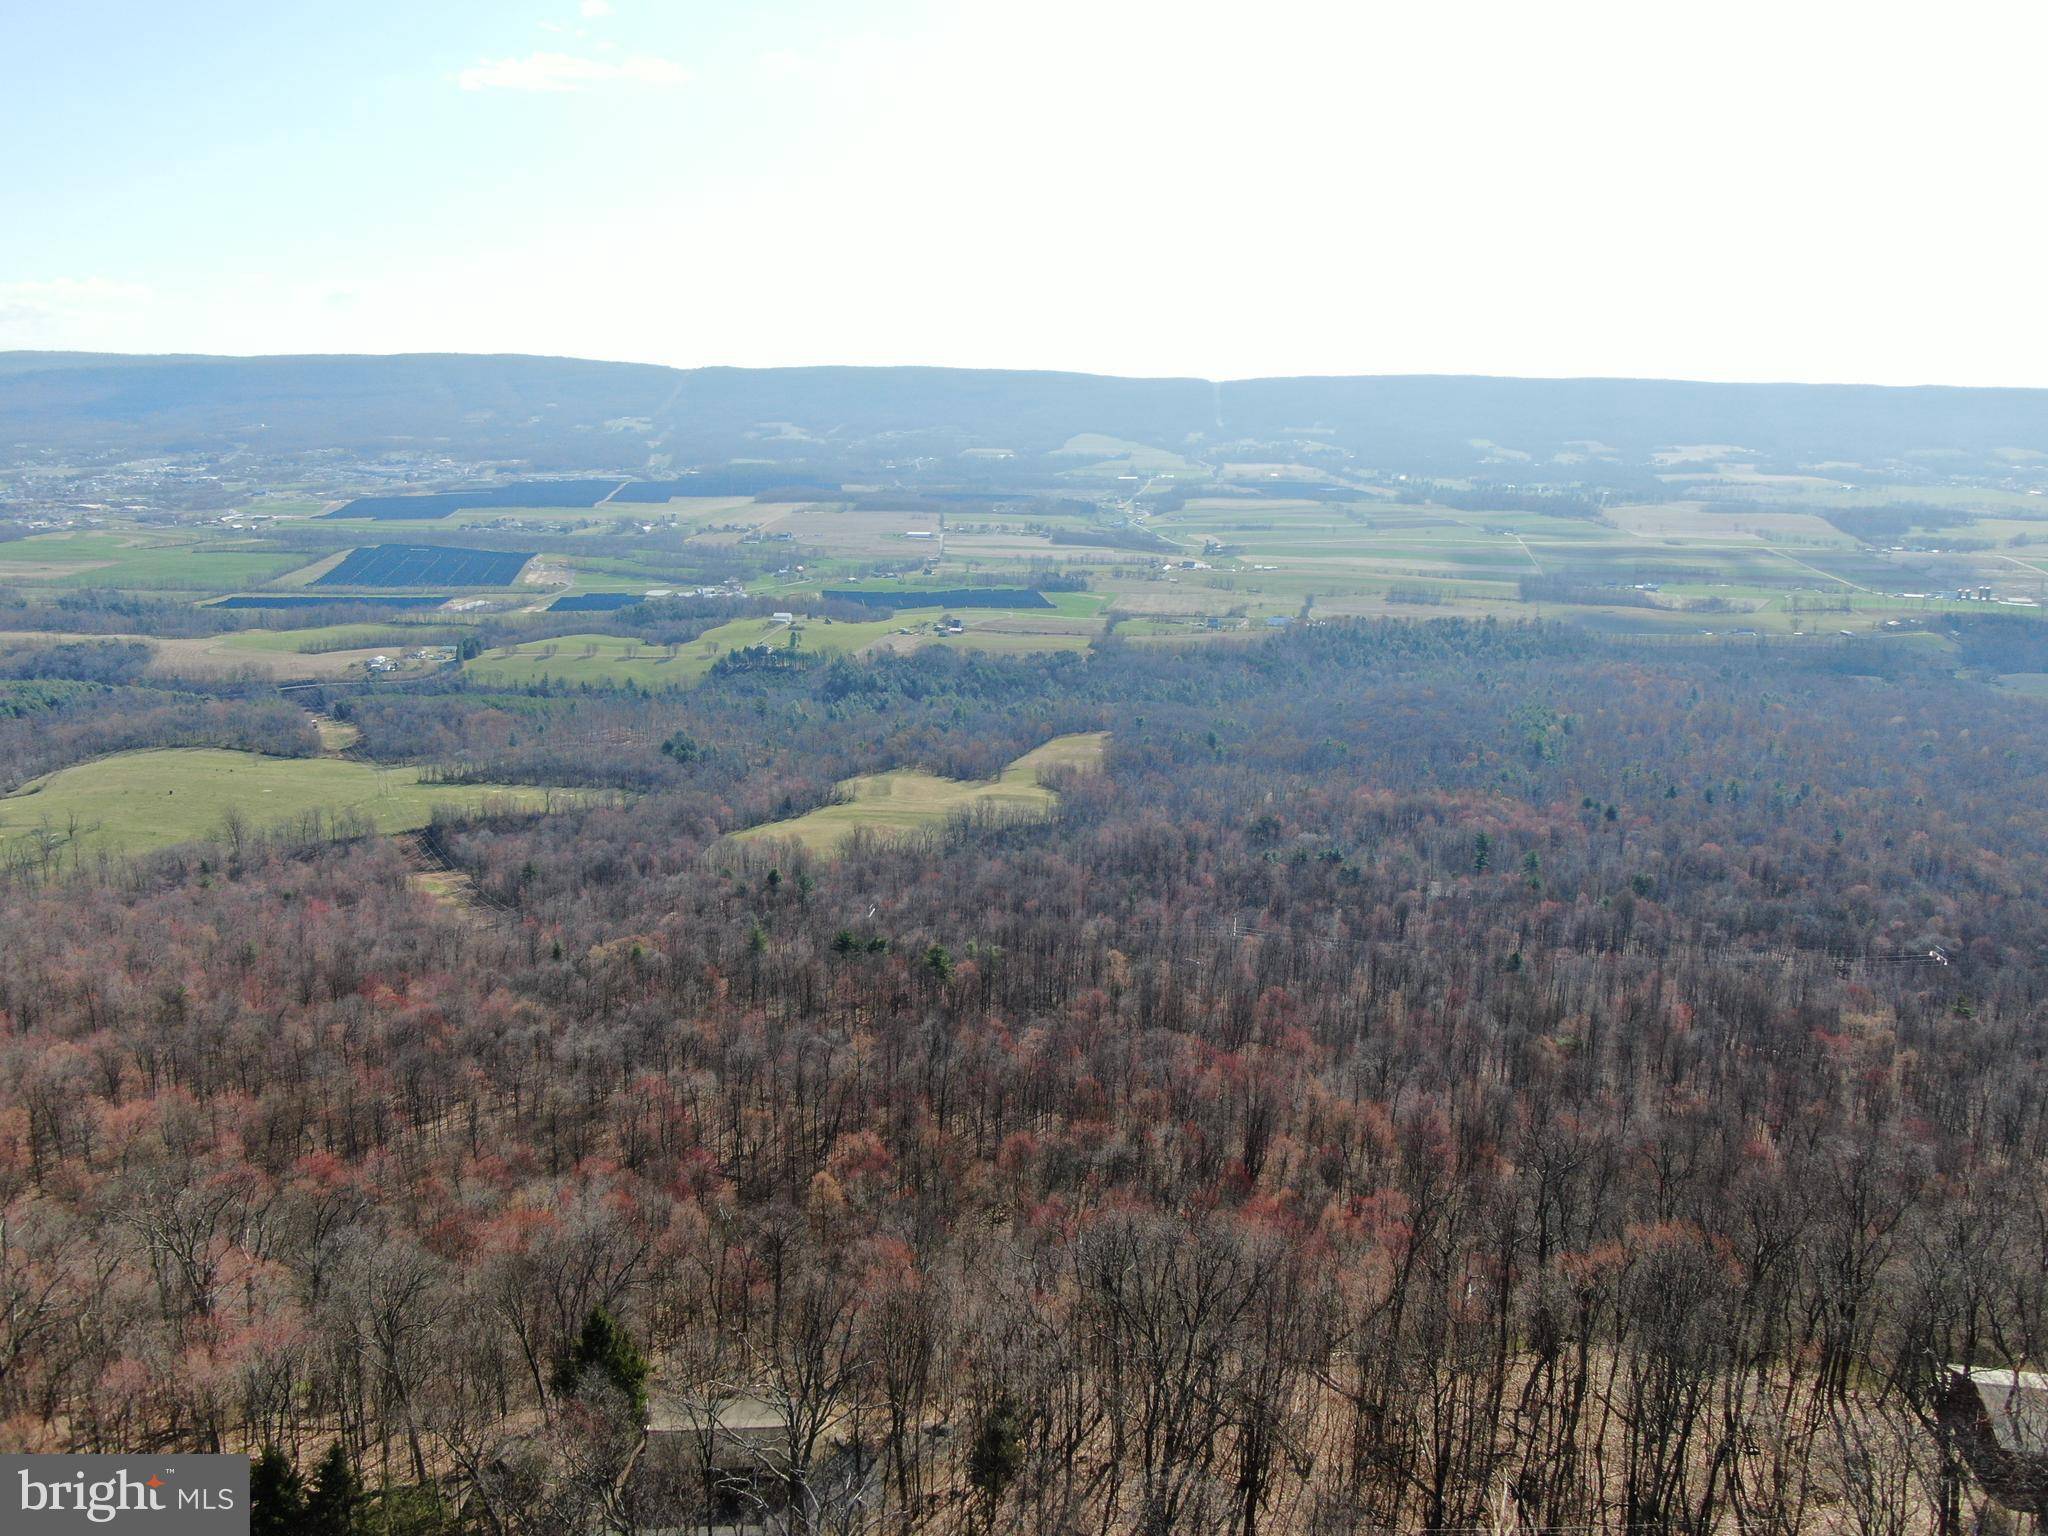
1790 190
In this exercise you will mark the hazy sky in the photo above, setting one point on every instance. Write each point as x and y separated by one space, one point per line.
1779 191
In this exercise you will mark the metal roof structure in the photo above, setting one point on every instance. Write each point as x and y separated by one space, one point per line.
1998 1420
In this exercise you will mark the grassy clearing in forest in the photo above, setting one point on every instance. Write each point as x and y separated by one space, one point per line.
612 661
137 802
891 804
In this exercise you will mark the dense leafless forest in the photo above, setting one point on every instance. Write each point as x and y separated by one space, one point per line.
1436 1076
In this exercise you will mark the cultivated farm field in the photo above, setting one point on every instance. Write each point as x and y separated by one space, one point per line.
178 560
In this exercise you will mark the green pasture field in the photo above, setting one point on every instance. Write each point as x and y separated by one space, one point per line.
839 637
1005 642
610 573
1069 626
180 560
2004 530
907 801
974 520
1115 456
613 661
1960 498
694 515
1078 605
1177 628
473 517
137 802
2030 685
285 504
1726 523
986 629
1067 605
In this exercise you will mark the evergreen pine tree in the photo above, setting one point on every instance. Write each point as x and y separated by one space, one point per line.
604 1347
996 1454
277 1496
331 1501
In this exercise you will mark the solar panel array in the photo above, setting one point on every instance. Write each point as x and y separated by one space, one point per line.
426 565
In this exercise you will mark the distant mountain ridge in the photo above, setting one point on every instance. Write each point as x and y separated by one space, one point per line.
573 414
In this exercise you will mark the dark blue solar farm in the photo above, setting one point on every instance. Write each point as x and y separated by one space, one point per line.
595 602
426 565
269 600
553 494
950 597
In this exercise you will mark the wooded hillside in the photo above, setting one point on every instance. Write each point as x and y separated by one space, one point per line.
1434 1075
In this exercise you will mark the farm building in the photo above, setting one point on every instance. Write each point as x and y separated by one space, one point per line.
1998 1423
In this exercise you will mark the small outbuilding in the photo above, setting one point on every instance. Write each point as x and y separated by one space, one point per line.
721 1460
1997 1421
